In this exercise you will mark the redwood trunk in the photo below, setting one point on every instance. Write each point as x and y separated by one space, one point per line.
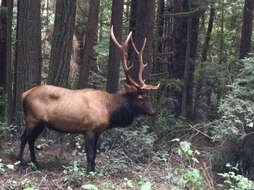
9 60
144 29
28 53
90 41
245 44
114 54
3 43
61 47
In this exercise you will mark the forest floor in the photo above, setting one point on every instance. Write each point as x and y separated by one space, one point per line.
62 166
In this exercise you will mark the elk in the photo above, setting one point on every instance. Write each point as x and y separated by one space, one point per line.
85 111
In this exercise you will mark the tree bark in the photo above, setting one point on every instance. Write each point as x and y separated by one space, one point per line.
132 28
28 53
179 45
3 43
208 33
245 43
179 40
61 47
221 53
114 54
160 41
190 58
9 63
90 41
144 29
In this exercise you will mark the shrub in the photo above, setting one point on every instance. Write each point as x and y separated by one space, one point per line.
237 107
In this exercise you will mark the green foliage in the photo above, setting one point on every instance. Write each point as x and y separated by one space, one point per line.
3 97
89 187
237 107
74 173
24 184
184 151
102 48
146 186
33 166
4 167
188 177
234 181
211 80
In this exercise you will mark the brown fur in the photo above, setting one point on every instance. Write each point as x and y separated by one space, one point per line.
72 111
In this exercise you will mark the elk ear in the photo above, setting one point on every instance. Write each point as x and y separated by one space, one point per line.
130 89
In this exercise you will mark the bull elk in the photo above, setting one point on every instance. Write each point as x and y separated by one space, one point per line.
86 111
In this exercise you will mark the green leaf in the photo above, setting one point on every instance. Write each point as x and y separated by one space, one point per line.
89 187
29 188
10 166
147 186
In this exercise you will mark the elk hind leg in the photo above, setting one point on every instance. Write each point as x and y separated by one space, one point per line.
23 140
91 142
31 139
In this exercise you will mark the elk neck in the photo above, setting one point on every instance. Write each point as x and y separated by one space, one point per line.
123 110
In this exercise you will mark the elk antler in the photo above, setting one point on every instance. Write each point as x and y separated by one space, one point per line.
123 48
142 67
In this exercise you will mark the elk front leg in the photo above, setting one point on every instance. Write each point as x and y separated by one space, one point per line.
91 143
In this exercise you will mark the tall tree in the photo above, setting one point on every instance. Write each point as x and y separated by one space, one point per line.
179 39
28 53
179 45
160 26
208 32
190 57
61 46
114 54
86 58
3 41
144 29
245 44
132 27
9 69
82 14
185 39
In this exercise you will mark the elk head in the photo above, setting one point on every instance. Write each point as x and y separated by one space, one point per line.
138 92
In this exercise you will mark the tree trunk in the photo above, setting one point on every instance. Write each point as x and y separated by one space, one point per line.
208 33
179 40
3 41
179 50
191 51
132 27
245 43
80 29
3 54
221 53
144 29
114 54
160 41
28 53
91 37
9 60
59 65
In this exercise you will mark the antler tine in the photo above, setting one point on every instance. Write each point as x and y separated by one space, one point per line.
114 38
141 64
123 48
142 67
